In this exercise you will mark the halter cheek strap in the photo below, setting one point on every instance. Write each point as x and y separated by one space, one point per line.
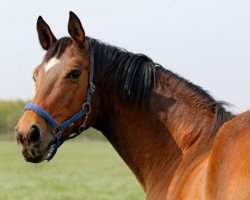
60 127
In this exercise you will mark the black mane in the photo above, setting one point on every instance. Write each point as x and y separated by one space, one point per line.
133 75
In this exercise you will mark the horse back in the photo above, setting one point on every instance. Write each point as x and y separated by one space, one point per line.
228 174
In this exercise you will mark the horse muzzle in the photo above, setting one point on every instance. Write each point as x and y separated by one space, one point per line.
34 139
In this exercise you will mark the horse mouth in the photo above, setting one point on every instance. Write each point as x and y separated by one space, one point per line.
36 159
41 157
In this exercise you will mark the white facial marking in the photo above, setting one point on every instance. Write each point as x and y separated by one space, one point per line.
51 63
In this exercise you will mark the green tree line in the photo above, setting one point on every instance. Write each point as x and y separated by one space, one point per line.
10 113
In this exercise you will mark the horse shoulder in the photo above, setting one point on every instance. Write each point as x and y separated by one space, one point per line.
228 175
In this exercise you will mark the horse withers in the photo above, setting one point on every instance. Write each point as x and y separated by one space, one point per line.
164 127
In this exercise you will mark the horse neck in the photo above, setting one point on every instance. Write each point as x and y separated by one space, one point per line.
152 141
140 139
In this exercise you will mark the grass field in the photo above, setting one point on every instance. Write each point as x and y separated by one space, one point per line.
89 170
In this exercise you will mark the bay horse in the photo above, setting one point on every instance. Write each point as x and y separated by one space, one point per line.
163 126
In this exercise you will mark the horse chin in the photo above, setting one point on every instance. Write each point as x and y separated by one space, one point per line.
39 157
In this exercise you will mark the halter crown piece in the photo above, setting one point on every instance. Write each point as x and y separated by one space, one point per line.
60 127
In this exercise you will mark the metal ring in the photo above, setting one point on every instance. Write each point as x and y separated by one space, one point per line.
87 107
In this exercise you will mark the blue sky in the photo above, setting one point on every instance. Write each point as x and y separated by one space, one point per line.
207 42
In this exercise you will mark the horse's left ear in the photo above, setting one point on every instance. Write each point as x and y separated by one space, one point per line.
75 28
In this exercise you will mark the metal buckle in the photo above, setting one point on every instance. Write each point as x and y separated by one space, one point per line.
87 107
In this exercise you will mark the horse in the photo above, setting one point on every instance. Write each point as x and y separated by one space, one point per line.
163 126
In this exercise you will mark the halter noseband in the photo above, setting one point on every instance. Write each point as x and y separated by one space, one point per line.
60 127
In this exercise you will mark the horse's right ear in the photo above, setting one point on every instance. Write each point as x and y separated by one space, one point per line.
46 37
75 29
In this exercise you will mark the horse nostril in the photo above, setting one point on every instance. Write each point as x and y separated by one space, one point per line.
34 134
19 138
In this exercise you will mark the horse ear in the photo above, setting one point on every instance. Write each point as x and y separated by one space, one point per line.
75 28
46 37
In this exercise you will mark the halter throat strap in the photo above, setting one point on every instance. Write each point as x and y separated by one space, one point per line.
60 127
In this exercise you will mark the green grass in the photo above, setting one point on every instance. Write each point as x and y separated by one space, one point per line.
89 170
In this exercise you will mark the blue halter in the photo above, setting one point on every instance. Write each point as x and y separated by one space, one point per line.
60 127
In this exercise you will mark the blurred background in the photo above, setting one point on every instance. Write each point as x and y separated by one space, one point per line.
206 42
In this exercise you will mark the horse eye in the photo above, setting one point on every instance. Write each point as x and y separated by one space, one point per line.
74 74
34 79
